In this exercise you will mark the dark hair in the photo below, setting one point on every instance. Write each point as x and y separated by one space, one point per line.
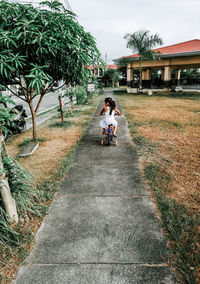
108 100
112 106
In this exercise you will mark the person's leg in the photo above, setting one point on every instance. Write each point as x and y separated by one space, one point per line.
115 131
115 128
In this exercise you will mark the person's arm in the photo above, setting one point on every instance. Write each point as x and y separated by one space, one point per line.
117 112
103 110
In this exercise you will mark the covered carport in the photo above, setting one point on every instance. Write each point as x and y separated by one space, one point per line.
170 59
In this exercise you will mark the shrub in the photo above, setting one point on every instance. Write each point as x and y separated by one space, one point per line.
79 92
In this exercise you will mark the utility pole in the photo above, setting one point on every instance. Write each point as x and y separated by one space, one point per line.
106 58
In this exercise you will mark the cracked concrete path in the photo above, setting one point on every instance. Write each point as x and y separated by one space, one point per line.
102 227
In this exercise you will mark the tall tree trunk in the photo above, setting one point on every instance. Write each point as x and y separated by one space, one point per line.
140 74
61 109
34 113
34 120
8 200
71 105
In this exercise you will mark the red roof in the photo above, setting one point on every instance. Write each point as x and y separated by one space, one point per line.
112 66
183 47
109 66
90 67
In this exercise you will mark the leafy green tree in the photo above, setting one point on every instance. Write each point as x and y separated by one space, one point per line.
39 47
190 76
142 42
111 77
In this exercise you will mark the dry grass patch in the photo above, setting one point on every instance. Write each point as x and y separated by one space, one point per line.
79 120
58 142
46 160
174 125
167 135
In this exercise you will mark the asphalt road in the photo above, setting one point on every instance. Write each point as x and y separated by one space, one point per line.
49 100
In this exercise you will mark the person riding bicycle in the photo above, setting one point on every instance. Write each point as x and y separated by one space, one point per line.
109 112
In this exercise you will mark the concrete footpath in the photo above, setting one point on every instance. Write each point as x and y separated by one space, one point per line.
102 227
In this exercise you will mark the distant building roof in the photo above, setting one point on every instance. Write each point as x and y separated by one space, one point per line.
179 48
112 66
108 66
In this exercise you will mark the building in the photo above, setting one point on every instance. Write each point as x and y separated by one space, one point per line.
171 59
98 70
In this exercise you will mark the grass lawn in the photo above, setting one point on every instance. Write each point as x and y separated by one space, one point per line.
166 132
48 165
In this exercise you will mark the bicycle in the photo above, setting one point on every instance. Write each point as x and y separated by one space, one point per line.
109 137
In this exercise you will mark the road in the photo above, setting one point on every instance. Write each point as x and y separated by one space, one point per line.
49 100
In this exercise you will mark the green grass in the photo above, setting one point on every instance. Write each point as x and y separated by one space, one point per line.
175 95
180 95
45 112
74 113
27 141
60 124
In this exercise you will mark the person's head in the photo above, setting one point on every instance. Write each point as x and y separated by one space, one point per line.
108 101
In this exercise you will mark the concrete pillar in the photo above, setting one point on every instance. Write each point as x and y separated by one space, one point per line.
146 79
128 71
178 77
167 73
162 75
148 74
143 75
167 76
130 83
129 76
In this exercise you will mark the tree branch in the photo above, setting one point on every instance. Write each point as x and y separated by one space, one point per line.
39 102
16 94
59 87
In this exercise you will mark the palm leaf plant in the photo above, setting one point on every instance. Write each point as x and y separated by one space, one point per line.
143 42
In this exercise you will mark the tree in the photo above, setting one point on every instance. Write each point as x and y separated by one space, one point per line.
39 47
142 42
111 77
190 76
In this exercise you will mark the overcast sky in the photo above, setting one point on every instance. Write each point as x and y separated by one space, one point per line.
109 20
